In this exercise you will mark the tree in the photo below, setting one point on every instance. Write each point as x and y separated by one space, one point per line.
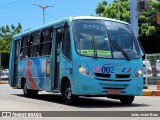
111 10
148 28
6 34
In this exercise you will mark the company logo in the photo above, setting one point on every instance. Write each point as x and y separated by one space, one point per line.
6 114
21 114
126 70
97 69
113 64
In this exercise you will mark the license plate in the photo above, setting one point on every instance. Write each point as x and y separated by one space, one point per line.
113 92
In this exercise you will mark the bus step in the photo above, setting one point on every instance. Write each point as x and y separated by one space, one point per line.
56 91
15 87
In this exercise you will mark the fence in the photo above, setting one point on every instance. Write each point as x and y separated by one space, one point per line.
151 65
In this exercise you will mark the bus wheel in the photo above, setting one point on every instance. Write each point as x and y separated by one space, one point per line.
29 93
126 99
67 95
26 91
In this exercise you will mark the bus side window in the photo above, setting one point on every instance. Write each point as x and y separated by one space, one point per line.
46 45
24 46
31 40
66 44
34 48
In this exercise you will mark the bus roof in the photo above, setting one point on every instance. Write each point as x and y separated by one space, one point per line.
17 36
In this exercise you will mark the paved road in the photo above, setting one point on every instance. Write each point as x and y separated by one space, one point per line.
13 100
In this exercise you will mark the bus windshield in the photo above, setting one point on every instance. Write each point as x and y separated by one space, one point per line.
105 38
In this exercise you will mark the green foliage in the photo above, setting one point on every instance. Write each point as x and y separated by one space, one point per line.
100 10
147 22
111 10
151 31
5 46
148 28
6 34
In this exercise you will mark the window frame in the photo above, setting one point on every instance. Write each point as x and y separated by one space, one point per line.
43 42
24 50
32 46
68 42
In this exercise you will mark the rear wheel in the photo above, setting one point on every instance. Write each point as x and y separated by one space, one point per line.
127 99
29 93
67 95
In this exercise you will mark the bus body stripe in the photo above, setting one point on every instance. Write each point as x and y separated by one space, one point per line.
29 76
39 72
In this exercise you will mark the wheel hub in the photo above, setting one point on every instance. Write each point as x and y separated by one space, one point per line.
68 93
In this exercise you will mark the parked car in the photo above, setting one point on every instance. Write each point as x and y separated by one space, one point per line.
4 77
5 71
147 69
4 74
158 67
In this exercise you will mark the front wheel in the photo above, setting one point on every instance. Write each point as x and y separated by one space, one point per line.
67 95
127 99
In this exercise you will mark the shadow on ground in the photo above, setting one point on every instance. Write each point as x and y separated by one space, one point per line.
85 102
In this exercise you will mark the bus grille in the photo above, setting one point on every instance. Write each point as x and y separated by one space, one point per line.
102 75
122 75
113 80
113 86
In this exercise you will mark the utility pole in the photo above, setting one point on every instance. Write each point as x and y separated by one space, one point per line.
134 16
118 10
43 8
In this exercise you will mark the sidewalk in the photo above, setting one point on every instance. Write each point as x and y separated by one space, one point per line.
151 91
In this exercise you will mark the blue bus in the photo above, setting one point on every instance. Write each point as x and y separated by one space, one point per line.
78 56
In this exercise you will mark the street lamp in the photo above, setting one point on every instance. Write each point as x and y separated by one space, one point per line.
43 8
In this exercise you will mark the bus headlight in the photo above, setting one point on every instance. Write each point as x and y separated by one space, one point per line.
138 73
84 71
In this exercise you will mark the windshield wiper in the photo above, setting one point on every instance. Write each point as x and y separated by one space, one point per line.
124 53
94 47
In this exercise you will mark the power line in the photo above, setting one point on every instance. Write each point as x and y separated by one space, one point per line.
18 4
12 3
50 16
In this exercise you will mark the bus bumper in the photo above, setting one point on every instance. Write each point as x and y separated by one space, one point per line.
90 86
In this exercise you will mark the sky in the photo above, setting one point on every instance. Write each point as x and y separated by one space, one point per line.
31 16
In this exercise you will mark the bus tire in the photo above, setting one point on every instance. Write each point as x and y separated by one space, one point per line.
29 93
67 95
127 99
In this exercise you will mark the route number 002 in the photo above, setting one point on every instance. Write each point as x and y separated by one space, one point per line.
108 69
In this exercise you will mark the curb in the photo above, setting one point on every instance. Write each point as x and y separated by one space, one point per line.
151 93
155 93
3 82
147 93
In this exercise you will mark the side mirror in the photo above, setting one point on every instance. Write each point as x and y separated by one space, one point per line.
59 35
